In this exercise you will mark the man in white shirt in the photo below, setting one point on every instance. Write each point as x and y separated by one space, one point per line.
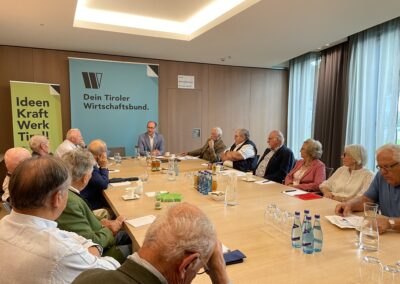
41 252
73 140
242 155
12 158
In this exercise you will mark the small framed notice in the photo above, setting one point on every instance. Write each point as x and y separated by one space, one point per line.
185 82
196 132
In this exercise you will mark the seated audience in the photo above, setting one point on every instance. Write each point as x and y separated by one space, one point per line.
93 192
309 172
350 180
39 145
77 216
151 142
242 155
179 244
32 248
73 140
12 158
277 160
384 190
213 148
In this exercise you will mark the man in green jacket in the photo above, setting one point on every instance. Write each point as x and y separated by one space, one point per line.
212 149
77 216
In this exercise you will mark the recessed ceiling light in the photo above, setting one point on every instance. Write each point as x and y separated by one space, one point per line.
206 18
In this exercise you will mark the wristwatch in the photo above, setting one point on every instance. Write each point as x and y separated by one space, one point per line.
392 223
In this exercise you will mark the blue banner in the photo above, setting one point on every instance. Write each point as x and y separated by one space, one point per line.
112 100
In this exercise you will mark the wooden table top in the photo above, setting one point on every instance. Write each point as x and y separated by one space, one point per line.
270 257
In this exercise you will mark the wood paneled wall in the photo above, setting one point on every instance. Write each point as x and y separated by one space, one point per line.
231 97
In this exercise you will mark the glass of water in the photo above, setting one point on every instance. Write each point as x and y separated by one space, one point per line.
117 158
144 177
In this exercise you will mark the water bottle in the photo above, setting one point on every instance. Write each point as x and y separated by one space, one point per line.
317 232
308 237
296 231
176 168
306 213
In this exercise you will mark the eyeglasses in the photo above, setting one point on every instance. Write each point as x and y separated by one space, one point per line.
387 168
205 268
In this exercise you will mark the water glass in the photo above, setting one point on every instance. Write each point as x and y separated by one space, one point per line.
171 175
370 209
371 270
144 177
117 158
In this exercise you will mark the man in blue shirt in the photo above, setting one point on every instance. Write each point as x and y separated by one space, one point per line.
384 190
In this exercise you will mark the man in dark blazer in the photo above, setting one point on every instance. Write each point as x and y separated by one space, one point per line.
177 245
277 160
151 142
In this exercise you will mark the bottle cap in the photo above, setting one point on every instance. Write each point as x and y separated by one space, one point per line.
316 215
308 218
306 211
297 213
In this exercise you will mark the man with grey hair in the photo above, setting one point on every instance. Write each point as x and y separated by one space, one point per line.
39 145
73 140
12 158
77 216
212 149
242 155
177 245
41 252
384 190
277 160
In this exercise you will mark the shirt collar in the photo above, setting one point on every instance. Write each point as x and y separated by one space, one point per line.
136 258
73 189
32 220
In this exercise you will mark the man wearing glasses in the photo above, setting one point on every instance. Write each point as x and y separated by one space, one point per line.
151 142
384 190
180 244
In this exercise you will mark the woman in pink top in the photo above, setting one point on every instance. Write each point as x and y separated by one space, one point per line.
309 172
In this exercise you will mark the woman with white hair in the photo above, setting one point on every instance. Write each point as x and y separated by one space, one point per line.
350 180
309 172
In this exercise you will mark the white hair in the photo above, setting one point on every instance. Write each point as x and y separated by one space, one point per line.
36 141
218 130
183 228
393 148
79 162
313 148
358 153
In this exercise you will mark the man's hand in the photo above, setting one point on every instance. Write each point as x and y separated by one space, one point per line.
155 153
383 224
102 160
343 209
216 266
211 143
114 225
328 194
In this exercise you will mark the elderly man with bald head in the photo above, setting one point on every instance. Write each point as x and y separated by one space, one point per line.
93 192
177 245
277 160
39 145
12 158
72 141
384 190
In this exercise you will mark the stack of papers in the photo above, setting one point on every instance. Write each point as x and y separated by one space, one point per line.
183 158
141 221
349 222
294 192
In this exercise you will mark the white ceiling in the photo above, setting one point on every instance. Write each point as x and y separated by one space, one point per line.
264 35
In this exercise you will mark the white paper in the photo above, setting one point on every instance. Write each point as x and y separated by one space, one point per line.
263 182
141 221
150 193
113 171
349 222
204 164
238 173
124 183
294 192
183 158
225 249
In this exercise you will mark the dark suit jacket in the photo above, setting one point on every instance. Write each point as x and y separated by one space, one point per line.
129 272
93 192
279 165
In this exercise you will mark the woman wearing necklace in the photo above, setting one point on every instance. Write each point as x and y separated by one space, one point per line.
350 180
309 172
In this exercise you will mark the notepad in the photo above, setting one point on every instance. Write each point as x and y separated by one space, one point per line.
349 222
141 221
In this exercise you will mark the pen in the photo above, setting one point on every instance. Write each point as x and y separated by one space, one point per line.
265 181
290 190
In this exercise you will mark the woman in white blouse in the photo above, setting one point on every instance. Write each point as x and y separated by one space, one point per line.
350 180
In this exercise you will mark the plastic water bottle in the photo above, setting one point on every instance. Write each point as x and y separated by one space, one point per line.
308 237
318 237
306 213
296 231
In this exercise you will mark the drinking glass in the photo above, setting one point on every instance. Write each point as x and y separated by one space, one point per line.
391 274
370 209
357 237
371 270
369 236
144 177
117 158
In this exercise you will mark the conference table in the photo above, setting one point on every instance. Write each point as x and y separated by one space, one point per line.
270 256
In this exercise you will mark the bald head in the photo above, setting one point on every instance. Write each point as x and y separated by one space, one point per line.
275 139
14 156
97 147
